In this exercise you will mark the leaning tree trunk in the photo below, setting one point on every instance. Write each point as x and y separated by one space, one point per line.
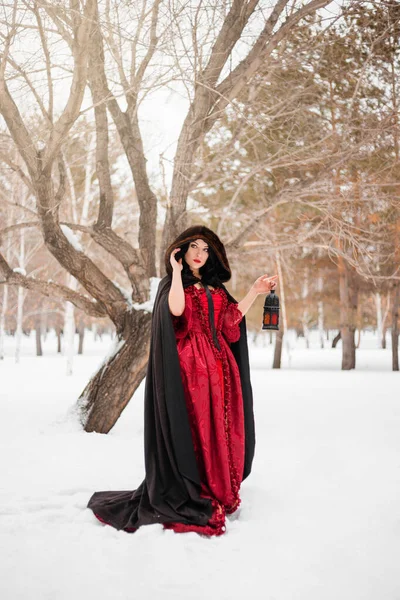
395 326
335 340
109 391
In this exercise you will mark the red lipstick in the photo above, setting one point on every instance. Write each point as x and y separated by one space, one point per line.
196 260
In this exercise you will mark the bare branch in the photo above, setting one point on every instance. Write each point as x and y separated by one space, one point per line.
72 107
231 86
17 169
47 59
51 290
18 131
130 136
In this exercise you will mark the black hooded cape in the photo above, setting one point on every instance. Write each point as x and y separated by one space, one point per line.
170 491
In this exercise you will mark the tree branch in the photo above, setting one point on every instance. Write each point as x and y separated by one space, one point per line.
130 136
17 169
51 290
232 85
18 131
74 102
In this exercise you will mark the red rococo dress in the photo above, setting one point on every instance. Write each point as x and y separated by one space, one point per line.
213 394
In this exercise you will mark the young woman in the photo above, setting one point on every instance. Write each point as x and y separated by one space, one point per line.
199 425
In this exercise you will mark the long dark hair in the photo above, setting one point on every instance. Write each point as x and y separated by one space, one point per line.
208 272
216 269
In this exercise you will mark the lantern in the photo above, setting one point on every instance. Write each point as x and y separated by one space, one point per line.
271 311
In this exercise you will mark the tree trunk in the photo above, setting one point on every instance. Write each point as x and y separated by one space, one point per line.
38 330
358 309
358 342
4 305
353 317
336 339
81 331
18 333
384 320
395 326
379 318
58 334
348 305
305 315
384 337
278 350
69 336
321 323
43 322
109 391
283 326
21 298
348 348
3 320
320 310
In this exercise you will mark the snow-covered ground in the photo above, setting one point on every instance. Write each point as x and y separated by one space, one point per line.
320 515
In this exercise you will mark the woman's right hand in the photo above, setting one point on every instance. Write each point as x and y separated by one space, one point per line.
176 264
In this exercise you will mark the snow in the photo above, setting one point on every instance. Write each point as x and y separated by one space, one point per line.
19 270
126 293
71 237
320 512
148 305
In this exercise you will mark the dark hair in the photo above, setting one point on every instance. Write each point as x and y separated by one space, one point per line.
208 272
215 271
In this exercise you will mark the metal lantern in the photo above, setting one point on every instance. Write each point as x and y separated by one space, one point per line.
271 311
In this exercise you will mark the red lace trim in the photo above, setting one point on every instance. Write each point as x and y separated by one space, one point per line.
221 354
215 525
235 481
195 294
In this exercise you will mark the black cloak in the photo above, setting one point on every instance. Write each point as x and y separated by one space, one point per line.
170 491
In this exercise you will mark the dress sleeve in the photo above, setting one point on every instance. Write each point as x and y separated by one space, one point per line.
230 323
183 323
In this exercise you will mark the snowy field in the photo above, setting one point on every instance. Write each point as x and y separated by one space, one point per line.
320 514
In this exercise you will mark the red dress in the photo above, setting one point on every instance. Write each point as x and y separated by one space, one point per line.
213 394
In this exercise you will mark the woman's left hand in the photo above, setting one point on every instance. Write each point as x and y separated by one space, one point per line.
265 284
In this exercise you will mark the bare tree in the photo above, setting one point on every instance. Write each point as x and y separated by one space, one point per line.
96 48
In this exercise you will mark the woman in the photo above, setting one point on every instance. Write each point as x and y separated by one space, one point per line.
199 426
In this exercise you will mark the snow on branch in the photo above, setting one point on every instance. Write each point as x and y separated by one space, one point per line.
73 240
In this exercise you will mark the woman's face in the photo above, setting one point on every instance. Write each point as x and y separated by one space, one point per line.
197 254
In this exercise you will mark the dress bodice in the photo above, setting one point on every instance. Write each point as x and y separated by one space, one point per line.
218 301
195 320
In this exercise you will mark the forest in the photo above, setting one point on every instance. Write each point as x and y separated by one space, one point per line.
122 123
